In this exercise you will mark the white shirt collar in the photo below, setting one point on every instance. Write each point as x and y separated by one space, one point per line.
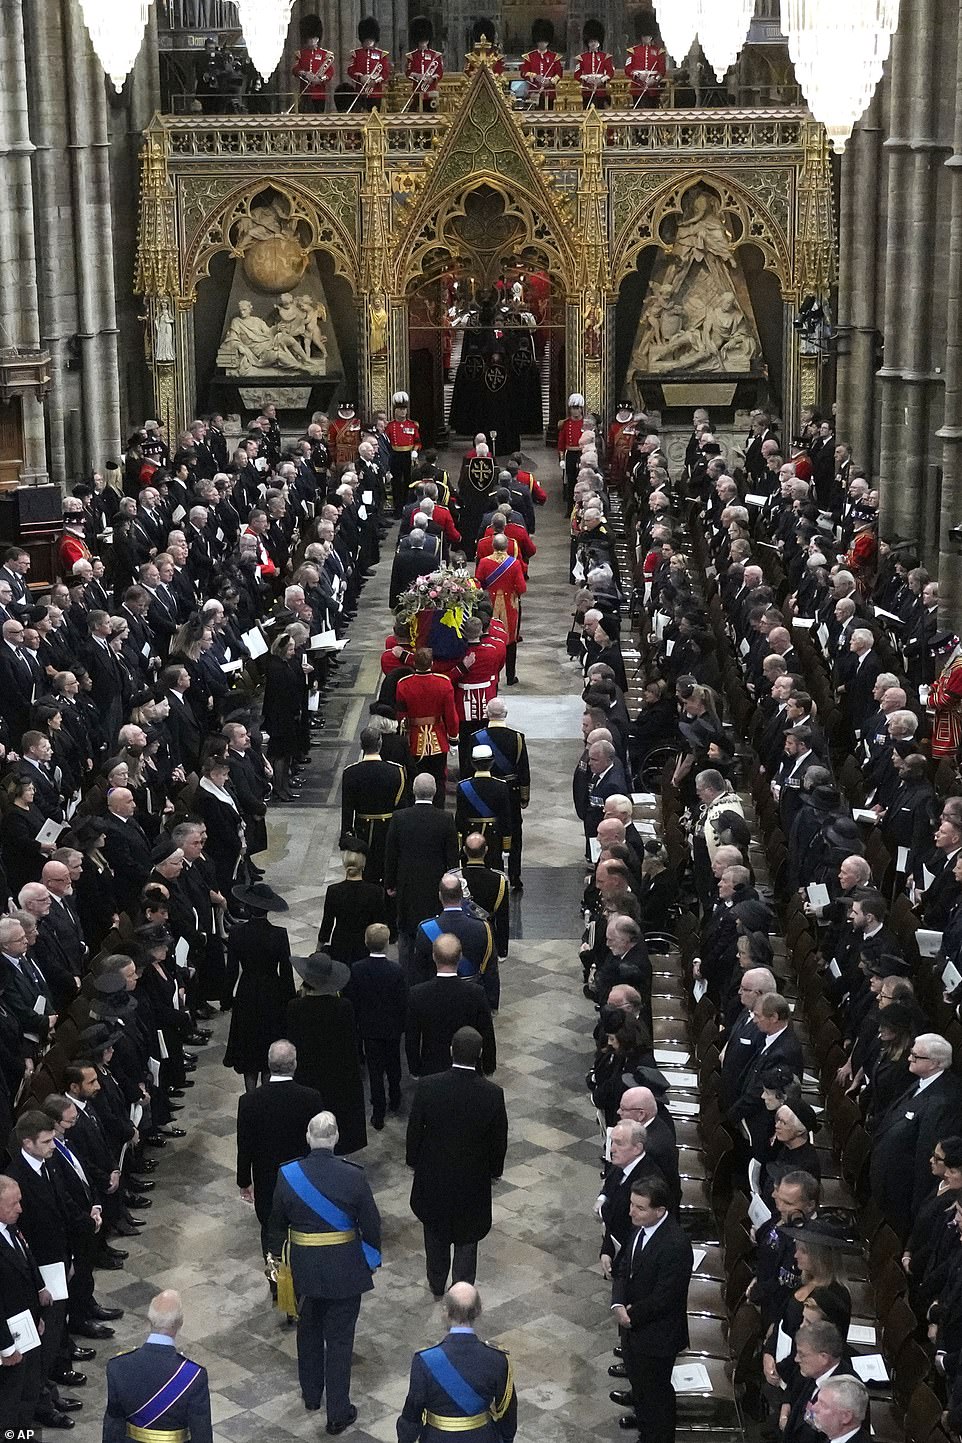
924 1081
772 1036
34 1162
281 1077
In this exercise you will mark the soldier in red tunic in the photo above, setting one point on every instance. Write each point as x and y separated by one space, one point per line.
405 441
594 67
344 434
369 67
621 435
646 65
313 66
483 33
425 702
569 446
72 546
502 577
423 67
542 67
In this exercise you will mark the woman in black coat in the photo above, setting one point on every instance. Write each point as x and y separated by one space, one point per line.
349 909
216 805
94 891
283 709
259 973
23 857
321 1026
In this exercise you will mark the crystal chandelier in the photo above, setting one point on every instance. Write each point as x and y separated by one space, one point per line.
265 24
838 49
678 23
722 29
116 29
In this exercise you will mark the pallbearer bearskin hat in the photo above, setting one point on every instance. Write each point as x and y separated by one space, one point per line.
593 30
311 28
542 30
645 24
483 29
420 30
369 29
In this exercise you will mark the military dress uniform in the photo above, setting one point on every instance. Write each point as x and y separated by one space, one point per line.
569 446
313 69
344 434
325 1218
464 1386
542 67
483 804
371 792
594 68
157 1395
488 890
645 67
423 66
405 440
370 67
509 762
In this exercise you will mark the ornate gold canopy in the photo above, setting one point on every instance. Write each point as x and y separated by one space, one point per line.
395 199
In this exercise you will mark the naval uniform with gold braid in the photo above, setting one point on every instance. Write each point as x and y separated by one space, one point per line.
464 1386
156 1395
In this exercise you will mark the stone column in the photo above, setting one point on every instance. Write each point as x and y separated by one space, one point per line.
899 492
949 570
19 310
857 285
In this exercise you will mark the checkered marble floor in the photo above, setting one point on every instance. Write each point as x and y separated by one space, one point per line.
543 1295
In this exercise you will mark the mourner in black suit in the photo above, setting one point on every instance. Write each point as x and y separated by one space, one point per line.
841 1410
378 991
780 1047
329 1280
21 1288
271 1129
649 1297
126 847
456 1142
908 1129
438 1008
820 1354
421 845
630 1162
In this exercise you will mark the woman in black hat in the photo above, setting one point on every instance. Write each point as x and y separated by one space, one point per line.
899 1023
935 1217
819 1245
94 891
260 977
282 713
791 1148
23 856
321 1025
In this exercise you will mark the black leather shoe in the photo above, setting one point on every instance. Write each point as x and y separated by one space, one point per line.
69 1378
340 1427
176 1091
169 1132
147 1164
197 1039
154 1141
628 1423
618 1352
81 1355
134 1200
100 1314
312 1407
69 1405
378 1124
617 1370
126 1230
92 1330
115 1253
53 1418
141 1184
108 1263
204 1011
621 1396
173 1107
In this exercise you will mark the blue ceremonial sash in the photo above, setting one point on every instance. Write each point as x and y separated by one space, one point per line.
471 792
165 1398
443 1371
498 572
484 738
328 1211
431 929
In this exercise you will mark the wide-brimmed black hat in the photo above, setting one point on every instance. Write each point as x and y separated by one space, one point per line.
94 1040
322 972
84 831
805 1113
259 897
753 915
114 1008
843 832
820 1232
108 984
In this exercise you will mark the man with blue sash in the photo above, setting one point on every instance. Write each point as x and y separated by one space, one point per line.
325 1214
483 804
462 1385
155 1394
462 918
